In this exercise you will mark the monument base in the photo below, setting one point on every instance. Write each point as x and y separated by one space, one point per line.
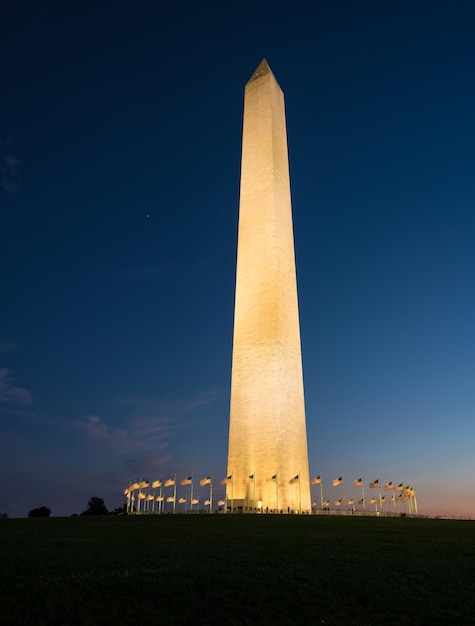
243 505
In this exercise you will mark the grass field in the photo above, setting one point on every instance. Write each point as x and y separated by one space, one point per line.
230 569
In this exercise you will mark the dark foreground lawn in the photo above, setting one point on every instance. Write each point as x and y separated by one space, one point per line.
220 569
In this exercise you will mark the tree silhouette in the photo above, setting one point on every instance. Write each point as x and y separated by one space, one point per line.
42 511
120 510
95 506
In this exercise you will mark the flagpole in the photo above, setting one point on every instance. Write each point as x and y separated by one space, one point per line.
364 499
174 494
211 495
191 493
226 496
343 489
277 491
160 504
321 494
254 497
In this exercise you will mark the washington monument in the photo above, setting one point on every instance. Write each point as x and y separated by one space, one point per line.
267 455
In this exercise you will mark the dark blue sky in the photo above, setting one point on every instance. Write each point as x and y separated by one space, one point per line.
120 129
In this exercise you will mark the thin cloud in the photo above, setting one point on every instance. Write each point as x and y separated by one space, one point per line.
9 170
147 465
7 346
151 428
11 162
142 436
10 393
10 186
146 273
10 410
172 408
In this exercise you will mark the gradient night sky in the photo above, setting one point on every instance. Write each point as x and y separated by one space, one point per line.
120 130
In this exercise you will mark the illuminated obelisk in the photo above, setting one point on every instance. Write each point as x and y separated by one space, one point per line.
267 455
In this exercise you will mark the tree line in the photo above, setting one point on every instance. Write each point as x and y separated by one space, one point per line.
95 506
